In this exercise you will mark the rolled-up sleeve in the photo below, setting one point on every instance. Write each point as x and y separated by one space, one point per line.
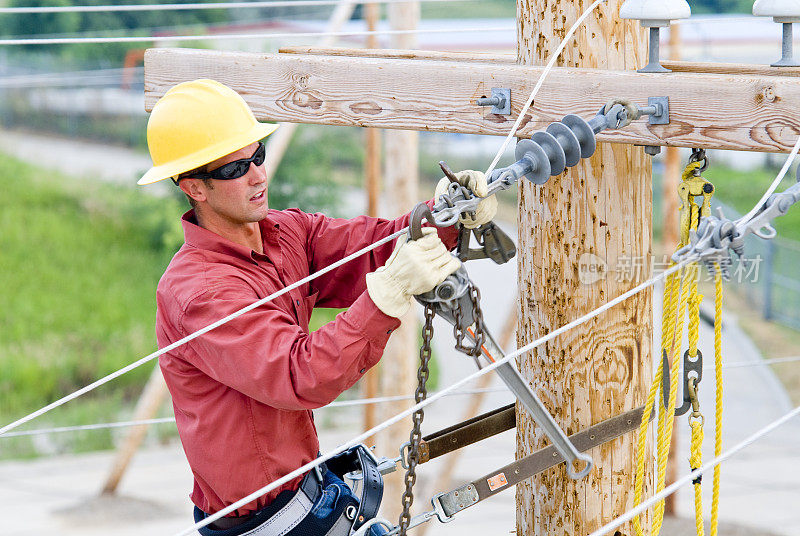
265 355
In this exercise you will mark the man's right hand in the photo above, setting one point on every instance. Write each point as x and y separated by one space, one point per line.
415 267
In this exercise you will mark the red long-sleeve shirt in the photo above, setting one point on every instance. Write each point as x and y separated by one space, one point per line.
243 392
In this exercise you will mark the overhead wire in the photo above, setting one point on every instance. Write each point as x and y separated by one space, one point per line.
192 336
434 397
166 420
539 82
196 6
669 490
362 401
222 37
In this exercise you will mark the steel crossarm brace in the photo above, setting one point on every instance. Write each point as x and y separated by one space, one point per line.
447 504
467 432
453 438
531 402
719 111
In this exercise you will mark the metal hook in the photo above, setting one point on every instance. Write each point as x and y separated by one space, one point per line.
420 212
692 372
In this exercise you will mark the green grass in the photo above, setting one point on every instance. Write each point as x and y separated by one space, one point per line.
80 263
485 9
742 189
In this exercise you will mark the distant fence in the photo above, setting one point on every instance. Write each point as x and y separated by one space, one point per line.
770 278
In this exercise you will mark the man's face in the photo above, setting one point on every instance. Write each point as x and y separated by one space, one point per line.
235 201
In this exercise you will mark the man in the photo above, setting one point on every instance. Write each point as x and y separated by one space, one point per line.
243 392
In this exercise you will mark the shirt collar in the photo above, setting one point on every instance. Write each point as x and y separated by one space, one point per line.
201 238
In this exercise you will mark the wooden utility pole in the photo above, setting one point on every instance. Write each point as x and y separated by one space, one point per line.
372 175
593 216
401 358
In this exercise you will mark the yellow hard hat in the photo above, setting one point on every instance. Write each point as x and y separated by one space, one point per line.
195 123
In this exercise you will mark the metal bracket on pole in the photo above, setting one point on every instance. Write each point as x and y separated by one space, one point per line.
500 101
660 106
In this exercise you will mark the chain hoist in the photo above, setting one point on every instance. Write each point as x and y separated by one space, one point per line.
457 300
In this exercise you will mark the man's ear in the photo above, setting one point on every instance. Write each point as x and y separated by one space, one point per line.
193 188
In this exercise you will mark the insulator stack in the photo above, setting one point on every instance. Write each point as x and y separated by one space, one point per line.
550 152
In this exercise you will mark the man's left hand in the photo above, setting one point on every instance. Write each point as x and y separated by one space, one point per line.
475 181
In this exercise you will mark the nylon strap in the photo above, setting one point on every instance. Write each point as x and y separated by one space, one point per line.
461 498
467 432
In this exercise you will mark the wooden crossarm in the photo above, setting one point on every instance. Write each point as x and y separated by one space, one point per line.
753 111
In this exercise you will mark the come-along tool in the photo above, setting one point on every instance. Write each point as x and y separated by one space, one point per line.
457 299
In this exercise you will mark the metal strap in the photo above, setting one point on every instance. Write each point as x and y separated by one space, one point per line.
465 496
468 432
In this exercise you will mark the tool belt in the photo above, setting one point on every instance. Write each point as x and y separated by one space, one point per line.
297 513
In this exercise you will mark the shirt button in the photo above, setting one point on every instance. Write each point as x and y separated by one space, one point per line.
362 371
297 302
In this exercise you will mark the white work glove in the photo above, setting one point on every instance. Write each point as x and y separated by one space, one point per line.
415 267
476 182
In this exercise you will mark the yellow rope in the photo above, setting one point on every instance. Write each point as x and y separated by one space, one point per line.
695 461
718 378
681 296
664 423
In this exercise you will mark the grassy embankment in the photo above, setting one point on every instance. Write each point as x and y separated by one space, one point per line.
79 263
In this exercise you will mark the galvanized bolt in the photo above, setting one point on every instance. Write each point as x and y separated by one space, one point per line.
497 100
500 101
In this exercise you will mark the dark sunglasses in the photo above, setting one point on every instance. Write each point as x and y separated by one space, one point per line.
235 169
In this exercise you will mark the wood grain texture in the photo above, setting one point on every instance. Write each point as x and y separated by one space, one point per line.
756 113
729 68
676 65
402 54
596 214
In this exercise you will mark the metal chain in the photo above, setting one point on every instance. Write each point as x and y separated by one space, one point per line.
699 154
479 335
480 332
416 430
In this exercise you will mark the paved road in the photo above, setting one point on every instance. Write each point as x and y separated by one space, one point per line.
760 489
80 159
